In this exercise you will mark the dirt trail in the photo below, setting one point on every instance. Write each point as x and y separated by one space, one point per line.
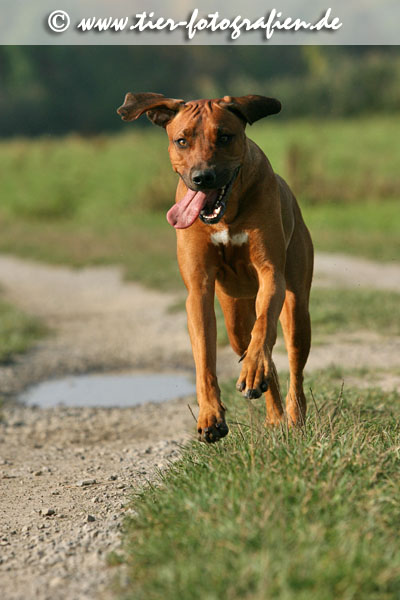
66 473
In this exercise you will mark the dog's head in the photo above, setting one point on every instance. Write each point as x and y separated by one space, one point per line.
206 145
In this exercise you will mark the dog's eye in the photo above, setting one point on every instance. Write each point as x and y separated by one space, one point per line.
181 142
225 138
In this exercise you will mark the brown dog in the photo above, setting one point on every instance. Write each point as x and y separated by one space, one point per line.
240 233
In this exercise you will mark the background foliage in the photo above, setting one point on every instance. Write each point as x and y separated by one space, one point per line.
60 89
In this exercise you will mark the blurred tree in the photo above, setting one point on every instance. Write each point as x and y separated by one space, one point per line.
58 89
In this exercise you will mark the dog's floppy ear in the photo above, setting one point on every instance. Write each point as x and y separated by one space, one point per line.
160 110
251 108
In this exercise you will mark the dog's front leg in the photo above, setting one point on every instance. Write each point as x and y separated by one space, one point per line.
203 335
257 366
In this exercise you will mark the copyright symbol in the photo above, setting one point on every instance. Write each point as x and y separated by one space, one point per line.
58 21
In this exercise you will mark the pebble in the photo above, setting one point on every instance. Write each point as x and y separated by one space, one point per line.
48 512
56 582
85 482
90 518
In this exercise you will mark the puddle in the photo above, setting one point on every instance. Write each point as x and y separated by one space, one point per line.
113 391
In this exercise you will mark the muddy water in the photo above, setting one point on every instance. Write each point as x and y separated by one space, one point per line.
117 390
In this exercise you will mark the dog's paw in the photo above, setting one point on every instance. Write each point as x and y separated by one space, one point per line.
211 427
254 377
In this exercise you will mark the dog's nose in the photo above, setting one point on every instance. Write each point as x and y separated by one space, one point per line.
205 177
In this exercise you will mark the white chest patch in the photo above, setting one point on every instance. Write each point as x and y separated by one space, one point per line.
223 237
240 238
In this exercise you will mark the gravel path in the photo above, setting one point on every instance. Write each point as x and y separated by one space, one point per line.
66 474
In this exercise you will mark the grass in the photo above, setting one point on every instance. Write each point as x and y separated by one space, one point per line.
264 514
103 200
335 310
18 332
369 229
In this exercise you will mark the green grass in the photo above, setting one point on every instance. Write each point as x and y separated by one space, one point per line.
302 515
103 200
370 229
335 310
352 158
18 332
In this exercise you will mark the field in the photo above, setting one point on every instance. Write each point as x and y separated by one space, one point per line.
103 200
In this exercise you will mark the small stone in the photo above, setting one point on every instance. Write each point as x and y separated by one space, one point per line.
48 512
37 473
85 482
113 477
90 518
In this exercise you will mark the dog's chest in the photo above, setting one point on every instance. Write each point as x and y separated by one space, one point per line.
236 274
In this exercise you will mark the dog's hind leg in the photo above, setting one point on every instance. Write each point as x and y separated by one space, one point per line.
240 316
295 319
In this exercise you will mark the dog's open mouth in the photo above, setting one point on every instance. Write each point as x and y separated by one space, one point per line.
215 210
210 206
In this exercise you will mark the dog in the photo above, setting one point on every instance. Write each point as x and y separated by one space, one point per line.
241 235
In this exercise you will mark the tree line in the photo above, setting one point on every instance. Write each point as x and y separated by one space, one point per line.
60 89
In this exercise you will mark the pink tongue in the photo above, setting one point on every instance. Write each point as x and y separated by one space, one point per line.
184 213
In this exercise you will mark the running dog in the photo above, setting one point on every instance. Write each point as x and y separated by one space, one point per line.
241 235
